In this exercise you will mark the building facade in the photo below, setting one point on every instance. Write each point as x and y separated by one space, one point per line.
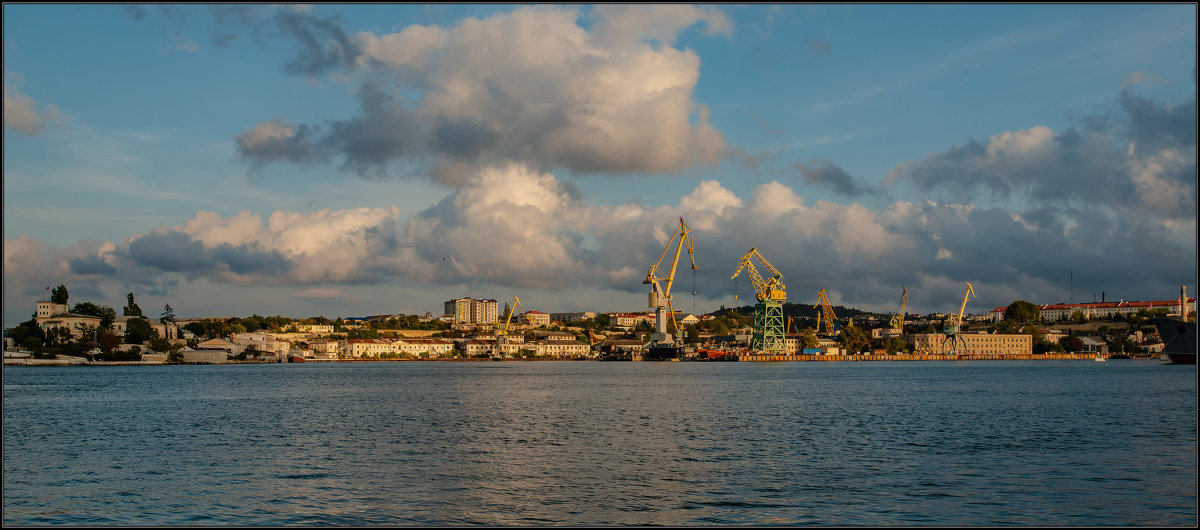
1059 312
977 343
472 311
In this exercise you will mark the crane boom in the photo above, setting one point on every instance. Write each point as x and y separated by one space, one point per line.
772 289
660 293
826 312
968 293
898 320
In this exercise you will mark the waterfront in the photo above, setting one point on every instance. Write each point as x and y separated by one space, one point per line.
1063 443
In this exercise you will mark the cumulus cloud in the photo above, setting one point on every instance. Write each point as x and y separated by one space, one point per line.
530 86
1142 164
21 114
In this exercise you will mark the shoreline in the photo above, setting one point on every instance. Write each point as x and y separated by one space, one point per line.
79 361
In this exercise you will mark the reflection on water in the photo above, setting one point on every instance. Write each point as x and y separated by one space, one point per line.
578 443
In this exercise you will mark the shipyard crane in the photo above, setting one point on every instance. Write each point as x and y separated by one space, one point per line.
502 333
660 286
897 322
954 324
769 332
826 312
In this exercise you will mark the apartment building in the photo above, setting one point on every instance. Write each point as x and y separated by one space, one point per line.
472 311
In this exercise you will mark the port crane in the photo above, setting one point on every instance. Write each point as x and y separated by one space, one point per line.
769 329
897 322
502 333
953 326
660 286
826 314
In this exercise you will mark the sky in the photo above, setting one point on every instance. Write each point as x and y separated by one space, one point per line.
352 160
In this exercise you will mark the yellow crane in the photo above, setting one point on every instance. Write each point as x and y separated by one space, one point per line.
502 333
660 284
826 312
898 319
953 324
769 330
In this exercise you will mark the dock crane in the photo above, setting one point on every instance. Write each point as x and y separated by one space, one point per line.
954 324
897 322
502 333
660 288
826 312
769 329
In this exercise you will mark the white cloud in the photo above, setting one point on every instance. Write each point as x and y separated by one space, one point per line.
530 86
21 114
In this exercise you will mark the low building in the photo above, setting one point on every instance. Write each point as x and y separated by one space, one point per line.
370 348
575 316
976 343
536 318
431 347
563 349
50 316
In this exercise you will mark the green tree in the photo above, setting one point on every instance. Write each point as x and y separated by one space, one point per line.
1078 317
168 315
138 330
109 341
27 334
1071 343
175 357
131 309
107 314
808 339
895 345
1021 311
59 295
853 339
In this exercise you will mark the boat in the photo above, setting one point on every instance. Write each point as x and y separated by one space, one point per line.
1100 357
1179 340
295 359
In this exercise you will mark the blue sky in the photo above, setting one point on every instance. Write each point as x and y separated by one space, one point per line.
353 160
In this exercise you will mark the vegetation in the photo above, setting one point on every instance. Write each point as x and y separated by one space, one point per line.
59 295
1021 312
138 331
106 314
131 309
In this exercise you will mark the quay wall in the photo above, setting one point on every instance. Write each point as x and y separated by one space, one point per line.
915 357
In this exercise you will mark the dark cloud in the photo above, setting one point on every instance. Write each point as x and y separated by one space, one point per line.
278 140
385 131
824 173
325 45
171 251
1156 126
90 265
245 259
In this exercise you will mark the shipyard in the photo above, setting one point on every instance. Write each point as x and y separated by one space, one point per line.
773 330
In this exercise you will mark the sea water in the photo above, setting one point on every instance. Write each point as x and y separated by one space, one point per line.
970 443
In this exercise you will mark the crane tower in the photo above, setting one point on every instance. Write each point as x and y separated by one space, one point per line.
769 333
660 291
953 325
826 314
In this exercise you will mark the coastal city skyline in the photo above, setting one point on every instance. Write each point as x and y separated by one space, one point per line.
334 160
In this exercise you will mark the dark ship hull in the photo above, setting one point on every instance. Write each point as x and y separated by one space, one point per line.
1179 340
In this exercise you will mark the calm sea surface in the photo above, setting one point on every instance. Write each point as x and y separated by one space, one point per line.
1073 443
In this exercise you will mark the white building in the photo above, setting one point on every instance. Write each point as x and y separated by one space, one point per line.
537 318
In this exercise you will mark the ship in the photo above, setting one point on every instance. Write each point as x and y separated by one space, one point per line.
1179 340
